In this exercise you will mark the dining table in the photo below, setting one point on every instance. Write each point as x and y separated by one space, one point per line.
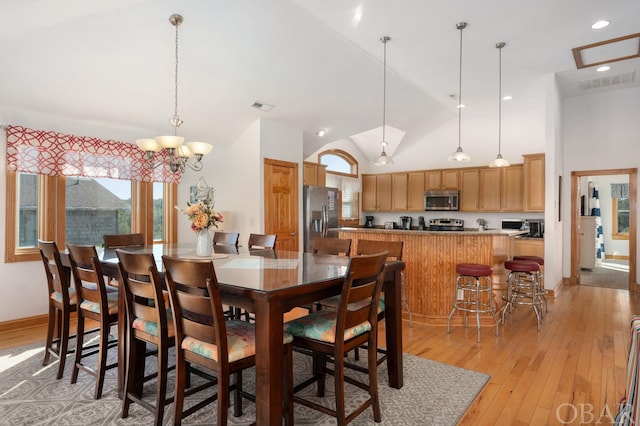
269 283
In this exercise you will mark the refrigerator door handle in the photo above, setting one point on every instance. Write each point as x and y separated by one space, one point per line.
324 220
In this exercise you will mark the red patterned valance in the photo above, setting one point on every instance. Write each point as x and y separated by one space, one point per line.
57 154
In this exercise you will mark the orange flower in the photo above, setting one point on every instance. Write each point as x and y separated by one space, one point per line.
201 220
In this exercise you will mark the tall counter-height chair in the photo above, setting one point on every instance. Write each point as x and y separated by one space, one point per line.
329 333
261 241
62 301
96 303
123 240
226 242
334 246
147 322
205 339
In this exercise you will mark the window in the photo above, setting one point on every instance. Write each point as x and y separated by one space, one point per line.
620 218
91 207
342 173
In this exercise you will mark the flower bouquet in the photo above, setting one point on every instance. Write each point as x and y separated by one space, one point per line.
203 216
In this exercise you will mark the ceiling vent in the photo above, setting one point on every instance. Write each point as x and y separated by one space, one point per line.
609 81
262 106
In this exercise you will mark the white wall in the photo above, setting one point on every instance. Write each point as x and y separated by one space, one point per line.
600 132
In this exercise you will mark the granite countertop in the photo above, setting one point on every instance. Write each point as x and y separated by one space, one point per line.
467 231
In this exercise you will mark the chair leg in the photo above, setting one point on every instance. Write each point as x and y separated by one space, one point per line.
128 376
287 370
162 384
79 344
223 399
63 344
237 399
338 375
178 402
373 380
102 358
321 371
50 326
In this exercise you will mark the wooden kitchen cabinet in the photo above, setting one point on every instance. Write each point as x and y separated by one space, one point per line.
469 189
314 174
513 188
534 182
490 189
415 191
399 186
441 179
376 192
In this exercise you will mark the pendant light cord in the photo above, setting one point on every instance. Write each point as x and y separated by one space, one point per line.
461 26
500 46
384 41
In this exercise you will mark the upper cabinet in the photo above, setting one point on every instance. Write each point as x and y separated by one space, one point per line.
513 188
314 174
415 191
469 189
376 193
441 179
534 182
399 188
490 196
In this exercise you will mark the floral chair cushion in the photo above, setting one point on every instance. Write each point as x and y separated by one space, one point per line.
112 301
334 302
241 341
73 299
321 325
151 327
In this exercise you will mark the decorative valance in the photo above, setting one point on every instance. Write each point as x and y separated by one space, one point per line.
57 154
619 190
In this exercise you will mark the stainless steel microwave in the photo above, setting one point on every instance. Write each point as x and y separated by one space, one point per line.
443 200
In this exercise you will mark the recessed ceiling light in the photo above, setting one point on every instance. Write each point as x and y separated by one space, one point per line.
321 132
603 68
507 98
598 25
461 105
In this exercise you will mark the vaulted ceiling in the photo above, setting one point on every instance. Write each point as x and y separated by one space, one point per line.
109 64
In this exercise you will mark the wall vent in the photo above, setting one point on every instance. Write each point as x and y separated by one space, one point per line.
262 106
609 81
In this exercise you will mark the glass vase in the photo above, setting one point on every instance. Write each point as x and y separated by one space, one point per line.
204 244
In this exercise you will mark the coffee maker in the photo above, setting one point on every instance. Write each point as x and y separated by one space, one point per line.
421 224
368 222
406 222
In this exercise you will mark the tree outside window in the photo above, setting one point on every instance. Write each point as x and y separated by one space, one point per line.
620 218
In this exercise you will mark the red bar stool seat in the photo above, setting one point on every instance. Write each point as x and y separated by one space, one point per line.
473 294
523 287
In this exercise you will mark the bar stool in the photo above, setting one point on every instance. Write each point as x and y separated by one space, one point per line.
540 261
474 281
523 287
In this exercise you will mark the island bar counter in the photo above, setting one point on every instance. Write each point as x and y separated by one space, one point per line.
430 265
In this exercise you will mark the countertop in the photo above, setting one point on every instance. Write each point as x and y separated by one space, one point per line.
467 231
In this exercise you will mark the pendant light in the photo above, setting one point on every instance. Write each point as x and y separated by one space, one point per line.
384 159
177 153
499 161
460 155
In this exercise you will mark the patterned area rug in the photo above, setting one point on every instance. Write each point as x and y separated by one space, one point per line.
433 394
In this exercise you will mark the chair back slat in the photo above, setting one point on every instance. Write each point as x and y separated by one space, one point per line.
142 288
196 303
123 240
87 275
361 291
58 278
262 241
333 246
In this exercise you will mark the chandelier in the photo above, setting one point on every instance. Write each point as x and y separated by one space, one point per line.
460 155
178 154
384 159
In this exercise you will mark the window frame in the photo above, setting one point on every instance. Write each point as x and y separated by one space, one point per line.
355 221
615 234
51 227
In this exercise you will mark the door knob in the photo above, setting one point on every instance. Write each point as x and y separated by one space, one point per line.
293 234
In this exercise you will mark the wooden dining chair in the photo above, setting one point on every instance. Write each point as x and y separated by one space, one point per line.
334 246
227 238
96 303
148 322
262 241
205 339
123 240
62 302
329 333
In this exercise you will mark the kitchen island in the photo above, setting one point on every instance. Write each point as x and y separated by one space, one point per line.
430 259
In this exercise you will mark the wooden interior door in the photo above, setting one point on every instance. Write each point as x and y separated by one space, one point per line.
281 202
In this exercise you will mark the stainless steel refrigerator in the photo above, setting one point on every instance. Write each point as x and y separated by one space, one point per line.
320 213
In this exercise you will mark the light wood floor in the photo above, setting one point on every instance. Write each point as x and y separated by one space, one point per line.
579 357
